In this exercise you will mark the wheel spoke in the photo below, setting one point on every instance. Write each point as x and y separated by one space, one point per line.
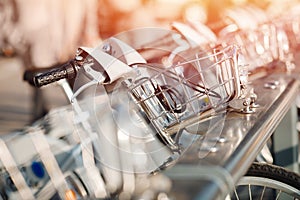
278 194
236 195
262 177
250 194
262 194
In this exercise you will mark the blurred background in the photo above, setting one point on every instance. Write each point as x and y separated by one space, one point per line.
38 34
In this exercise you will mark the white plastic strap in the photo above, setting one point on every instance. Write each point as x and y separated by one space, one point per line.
123 50
126 163
16 176
56 175
194 38
113 67
202 29
88 156
93 173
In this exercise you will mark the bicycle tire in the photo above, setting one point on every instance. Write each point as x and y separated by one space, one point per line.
272 181
275 172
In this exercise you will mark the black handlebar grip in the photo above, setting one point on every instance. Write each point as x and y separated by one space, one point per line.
68 70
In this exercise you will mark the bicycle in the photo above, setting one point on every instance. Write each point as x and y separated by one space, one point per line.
266 181
155 102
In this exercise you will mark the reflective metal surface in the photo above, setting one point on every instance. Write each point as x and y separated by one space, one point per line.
214 163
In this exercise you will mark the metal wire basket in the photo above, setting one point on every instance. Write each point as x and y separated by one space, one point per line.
179 95
262 46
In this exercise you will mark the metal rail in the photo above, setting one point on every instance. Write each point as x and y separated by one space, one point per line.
244 135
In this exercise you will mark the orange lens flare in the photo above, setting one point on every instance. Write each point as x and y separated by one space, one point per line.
70 195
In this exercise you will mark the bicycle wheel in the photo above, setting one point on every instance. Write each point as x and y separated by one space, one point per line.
266 181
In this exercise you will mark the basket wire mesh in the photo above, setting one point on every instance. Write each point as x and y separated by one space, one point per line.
184 93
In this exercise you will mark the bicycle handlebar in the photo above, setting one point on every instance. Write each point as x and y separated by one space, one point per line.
42 77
